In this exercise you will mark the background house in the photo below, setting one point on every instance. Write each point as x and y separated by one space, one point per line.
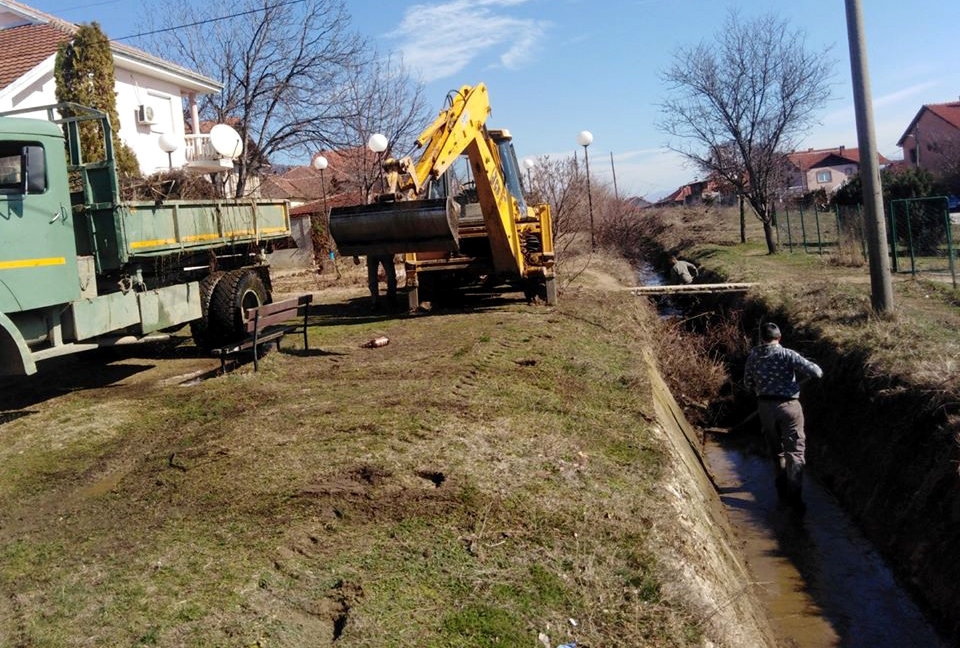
698 192
826 169
312 195
152 94
932 140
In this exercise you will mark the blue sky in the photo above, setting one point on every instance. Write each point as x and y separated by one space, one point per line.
556 67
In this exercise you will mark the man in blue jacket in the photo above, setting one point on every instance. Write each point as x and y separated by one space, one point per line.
773 373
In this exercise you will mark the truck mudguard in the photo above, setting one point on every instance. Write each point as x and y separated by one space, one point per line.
15 356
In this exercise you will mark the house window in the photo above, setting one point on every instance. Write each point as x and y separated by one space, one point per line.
824 177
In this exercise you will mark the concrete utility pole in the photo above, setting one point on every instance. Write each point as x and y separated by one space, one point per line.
880 283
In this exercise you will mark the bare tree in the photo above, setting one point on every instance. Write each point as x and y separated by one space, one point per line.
282 65
380 97
738 103
560 183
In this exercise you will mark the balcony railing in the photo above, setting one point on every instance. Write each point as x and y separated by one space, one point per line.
201 156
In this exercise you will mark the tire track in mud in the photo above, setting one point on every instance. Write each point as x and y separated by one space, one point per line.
493 355
104 399
325 615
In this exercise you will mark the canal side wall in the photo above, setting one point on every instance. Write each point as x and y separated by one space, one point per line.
705 562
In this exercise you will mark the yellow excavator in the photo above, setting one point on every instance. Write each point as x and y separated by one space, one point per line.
472 232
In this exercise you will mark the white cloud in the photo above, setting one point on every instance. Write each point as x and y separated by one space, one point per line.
906 93
651 173
440 40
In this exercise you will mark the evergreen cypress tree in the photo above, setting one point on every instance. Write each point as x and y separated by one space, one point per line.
84 74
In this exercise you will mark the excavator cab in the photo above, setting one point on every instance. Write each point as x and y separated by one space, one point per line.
509 166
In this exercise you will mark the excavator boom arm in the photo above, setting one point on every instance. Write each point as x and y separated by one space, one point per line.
451 133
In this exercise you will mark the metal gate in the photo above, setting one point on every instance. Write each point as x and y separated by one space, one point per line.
922 236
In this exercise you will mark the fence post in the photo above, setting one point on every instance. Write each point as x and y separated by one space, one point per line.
913 258
803 230
952 263
893 231
776 223
836 213
816 216
789 233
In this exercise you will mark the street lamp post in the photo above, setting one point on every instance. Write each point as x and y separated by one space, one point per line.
168 145
585 139
529 164
378 144
320 163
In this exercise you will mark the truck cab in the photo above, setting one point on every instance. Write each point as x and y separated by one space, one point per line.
38 251
81 269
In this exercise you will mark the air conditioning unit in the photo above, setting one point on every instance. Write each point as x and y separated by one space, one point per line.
144 115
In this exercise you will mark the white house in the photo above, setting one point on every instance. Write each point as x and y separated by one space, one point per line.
152 94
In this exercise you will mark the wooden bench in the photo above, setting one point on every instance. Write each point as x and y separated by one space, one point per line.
268 323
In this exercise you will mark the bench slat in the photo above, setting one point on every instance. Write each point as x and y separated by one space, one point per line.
292 305
275 313
270 320
267 323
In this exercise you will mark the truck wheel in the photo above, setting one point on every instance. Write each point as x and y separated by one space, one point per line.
200 329
236 291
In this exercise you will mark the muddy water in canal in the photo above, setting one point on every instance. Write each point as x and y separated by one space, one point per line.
821 581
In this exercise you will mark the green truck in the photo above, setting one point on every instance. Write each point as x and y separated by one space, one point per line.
80 269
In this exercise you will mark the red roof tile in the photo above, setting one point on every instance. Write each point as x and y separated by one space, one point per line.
31 43
813 158
25 47
340 200
948 112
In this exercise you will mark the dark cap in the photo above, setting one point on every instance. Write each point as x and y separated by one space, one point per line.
769 332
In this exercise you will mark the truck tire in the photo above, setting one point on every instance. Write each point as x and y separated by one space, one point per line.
200 329
237 290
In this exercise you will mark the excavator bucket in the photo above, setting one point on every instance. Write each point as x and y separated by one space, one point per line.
396 227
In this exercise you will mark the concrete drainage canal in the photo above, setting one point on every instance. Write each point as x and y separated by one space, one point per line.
822 581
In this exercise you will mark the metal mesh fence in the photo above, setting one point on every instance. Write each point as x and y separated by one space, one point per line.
922 235
809 229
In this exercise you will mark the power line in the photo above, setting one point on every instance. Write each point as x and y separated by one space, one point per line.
87 6
210 20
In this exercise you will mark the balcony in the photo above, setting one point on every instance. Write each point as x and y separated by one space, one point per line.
201 157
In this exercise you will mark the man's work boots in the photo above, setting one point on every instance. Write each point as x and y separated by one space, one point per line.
790 493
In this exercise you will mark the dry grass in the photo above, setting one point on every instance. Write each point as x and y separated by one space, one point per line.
484 478
828 297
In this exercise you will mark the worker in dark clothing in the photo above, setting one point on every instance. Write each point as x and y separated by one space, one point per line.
772 373
373 282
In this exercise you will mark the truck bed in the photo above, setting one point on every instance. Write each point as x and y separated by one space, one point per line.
153 229
148 229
